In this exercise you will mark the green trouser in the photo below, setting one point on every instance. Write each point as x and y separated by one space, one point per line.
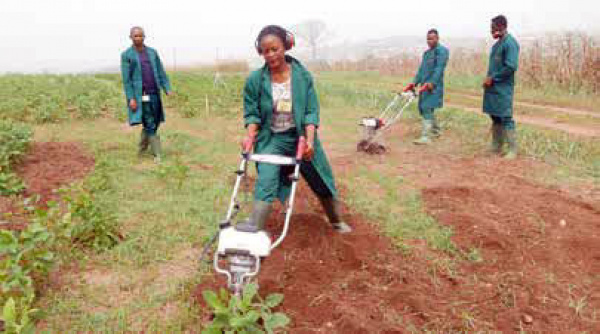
274 181
151 115
427 113
151 121
507 122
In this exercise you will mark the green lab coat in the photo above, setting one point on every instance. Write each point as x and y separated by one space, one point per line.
131 71
305 109
432 71
504 62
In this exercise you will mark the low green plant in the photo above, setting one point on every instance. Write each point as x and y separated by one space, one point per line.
10 184
23 256
17 315
245 315
15 139
54 98
93 226
93 222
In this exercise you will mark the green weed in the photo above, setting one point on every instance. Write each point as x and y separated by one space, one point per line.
15 139
248 314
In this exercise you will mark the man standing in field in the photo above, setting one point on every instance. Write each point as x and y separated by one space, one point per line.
143 78
431 78
499 88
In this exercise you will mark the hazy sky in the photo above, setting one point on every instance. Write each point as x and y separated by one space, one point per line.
79 35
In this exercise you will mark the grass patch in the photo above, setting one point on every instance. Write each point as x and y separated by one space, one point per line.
164 210
400 215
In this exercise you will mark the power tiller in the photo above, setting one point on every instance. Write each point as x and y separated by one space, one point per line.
374 127
238 255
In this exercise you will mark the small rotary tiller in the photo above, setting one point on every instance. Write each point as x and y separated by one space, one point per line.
374 127
238 253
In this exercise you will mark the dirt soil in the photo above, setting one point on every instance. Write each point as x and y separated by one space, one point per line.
371 148
534 262
47 167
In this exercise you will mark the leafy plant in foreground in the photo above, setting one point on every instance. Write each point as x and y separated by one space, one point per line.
245 315
14 143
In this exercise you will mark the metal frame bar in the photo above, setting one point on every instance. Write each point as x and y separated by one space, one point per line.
272 159
241 172
290 206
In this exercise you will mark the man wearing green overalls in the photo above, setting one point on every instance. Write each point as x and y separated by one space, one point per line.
499 87
280 106
431 78
143 78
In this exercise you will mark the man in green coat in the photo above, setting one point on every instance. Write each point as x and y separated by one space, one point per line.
143 78
499 87
431 78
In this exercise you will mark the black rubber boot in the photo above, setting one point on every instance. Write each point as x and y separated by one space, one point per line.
436 129
156 148
497 139
331 206
426 127
257 220
144 142
511 138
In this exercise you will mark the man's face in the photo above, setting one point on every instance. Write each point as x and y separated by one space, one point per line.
497 31
137 37
432 40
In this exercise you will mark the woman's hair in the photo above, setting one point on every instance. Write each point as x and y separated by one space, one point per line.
285 36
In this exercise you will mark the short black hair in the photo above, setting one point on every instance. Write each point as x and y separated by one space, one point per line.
433 31
500 20
134 28
274 30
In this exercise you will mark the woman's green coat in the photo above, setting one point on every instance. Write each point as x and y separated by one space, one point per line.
258 109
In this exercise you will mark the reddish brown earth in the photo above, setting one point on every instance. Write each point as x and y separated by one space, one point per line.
539 250
315 269
47 167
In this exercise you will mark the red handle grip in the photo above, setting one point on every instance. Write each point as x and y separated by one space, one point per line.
423 89
301 148
409 87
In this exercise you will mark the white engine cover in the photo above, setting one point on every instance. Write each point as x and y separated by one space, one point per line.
257 244
369 122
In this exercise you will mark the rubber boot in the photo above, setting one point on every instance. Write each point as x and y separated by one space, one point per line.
497 139
427 125
256 222
156 148
511 138
144 142
436 129
331 206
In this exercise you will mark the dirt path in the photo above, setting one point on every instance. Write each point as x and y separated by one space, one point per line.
549 123
544 107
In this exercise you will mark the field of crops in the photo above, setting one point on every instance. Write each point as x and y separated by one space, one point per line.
447 239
